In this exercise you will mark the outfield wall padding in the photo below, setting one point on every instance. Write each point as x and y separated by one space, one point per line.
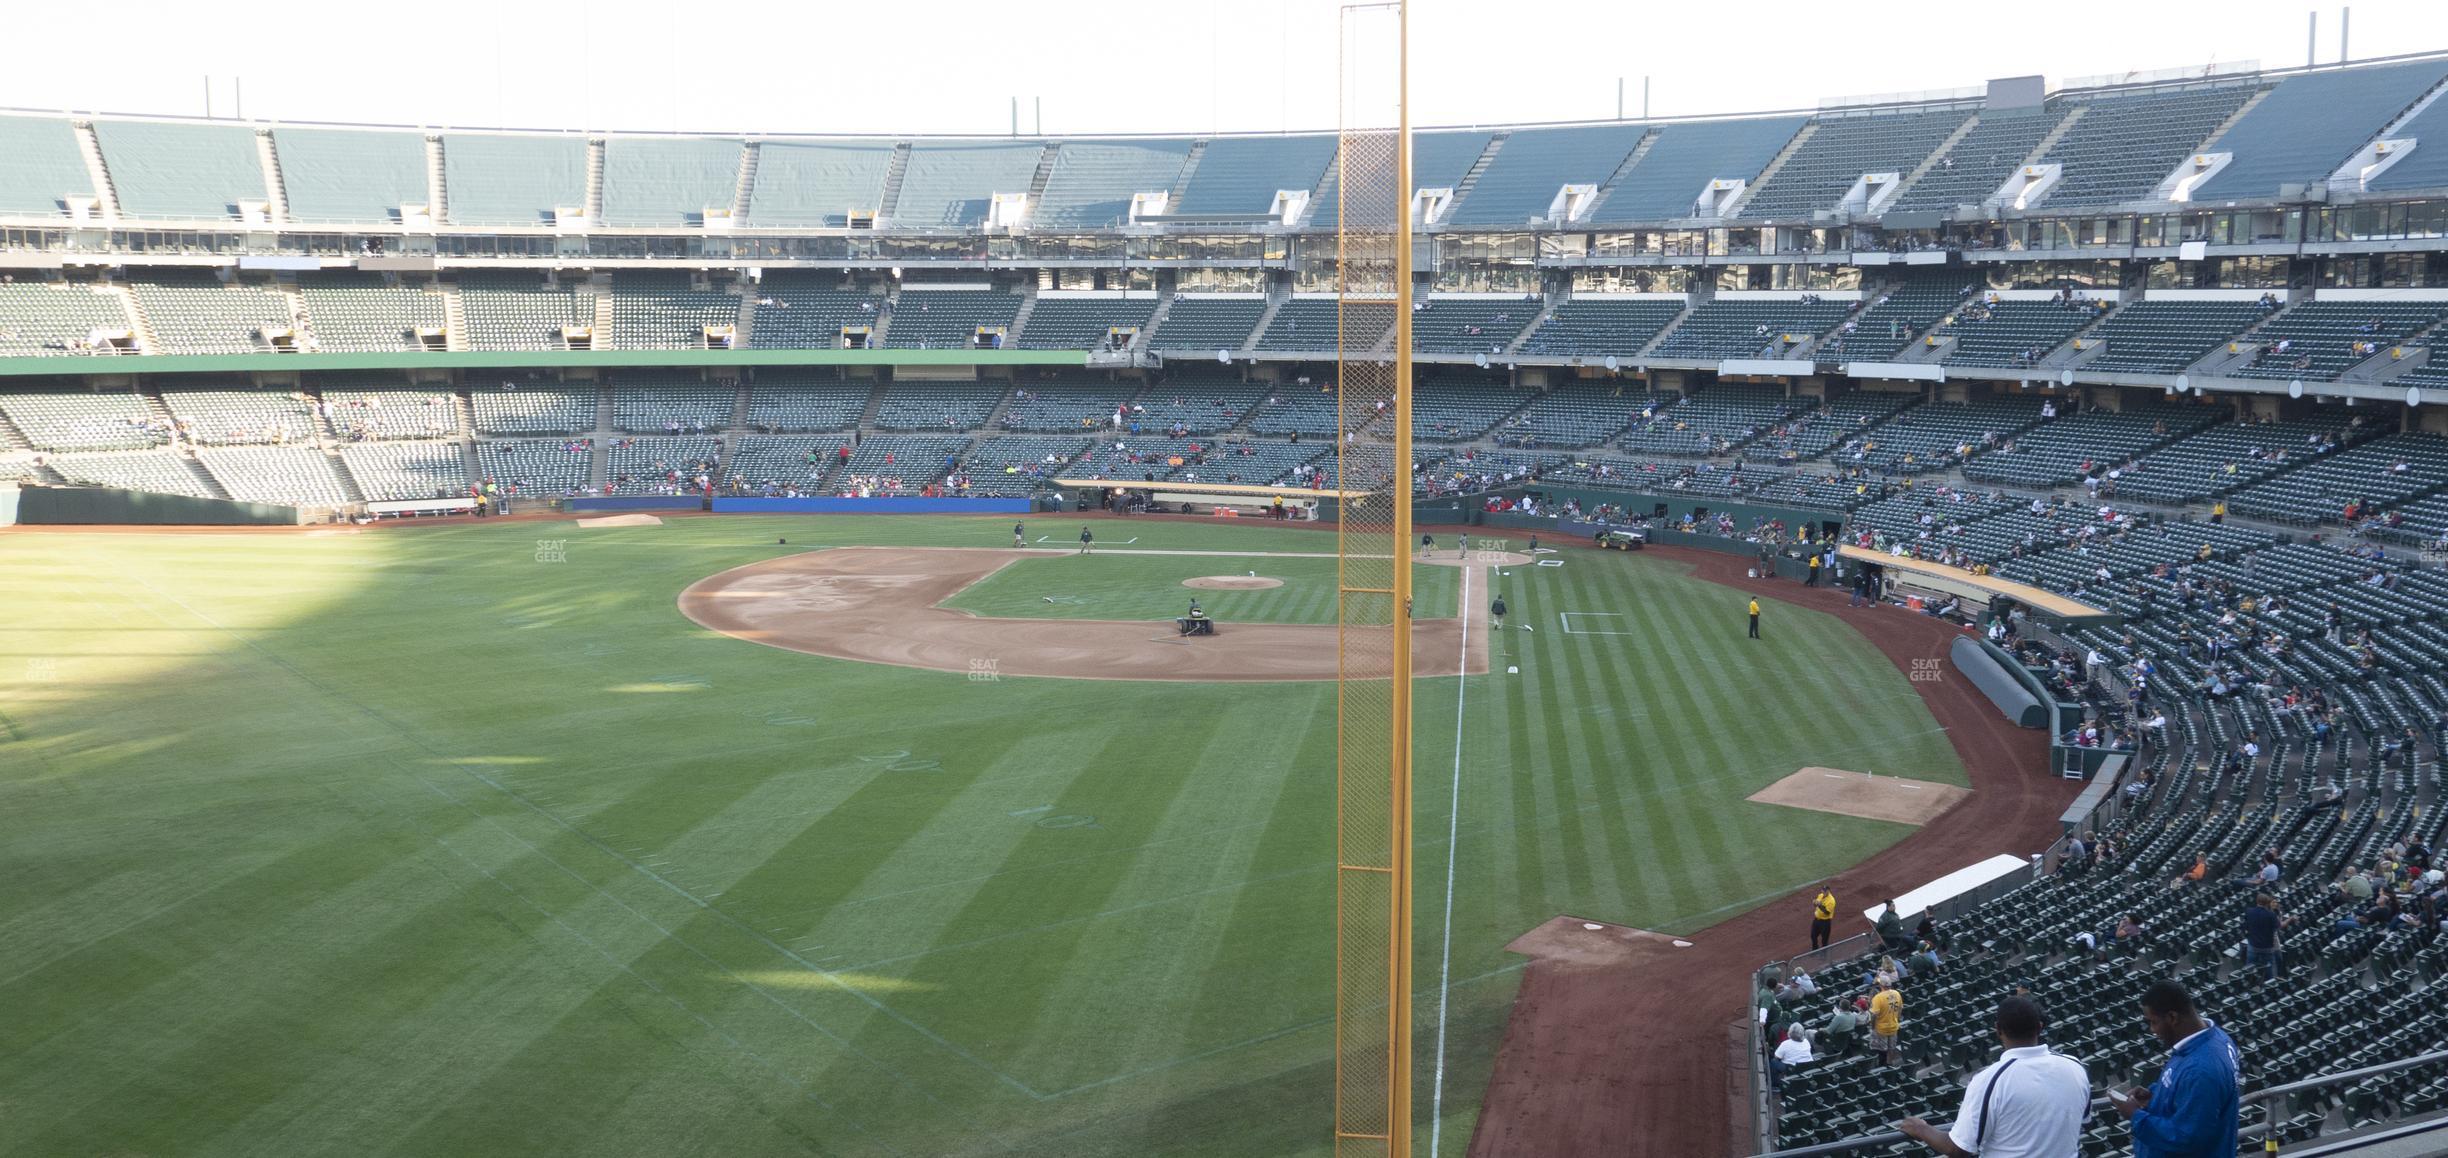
1979 663
633 503
110 506
841 506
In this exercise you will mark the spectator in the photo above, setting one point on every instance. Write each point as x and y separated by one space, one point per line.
1886 1018
1823 917
1791 1053
1891 927
2194 1109
2031 1104
2261 925
1841 1037
1925 962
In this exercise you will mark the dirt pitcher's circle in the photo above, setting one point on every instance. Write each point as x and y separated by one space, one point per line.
1232 583
882 605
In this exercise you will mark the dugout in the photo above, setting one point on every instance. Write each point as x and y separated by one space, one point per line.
1226 500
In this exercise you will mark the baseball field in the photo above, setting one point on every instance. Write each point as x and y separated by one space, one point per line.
469 839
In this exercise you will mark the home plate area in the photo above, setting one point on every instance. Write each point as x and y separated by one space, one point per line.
1862 794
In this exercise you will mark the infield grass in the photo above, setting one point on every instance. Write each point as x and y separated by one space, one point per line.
461 840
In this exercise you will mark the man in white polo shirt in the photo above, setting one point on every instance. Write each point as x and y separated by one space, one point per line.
2031 1104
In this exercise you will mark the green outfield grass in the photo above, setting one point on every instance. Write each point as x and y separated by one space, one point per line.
461 840
1117 585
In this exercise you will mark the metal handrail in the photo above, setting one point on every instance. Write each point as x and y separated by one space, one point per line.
1891 1137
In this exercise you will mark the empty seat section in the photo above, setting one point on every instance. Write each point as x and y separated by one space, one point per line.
537 467
292 475
2122 147
1459 406
358 414
950 319
817 184
1751 327
1198 401
1057 405
46 320
1933 435
45 167
937 405
161 169
545 409
771 463
518 312
2057 452
2012 333
1577 412
1714 421
1242 175
152 470
651 182
407 470
1017 466
511 179
2163 337
794 400
202 316
1313 325
665 311
1816 175
898 463
1470 325
658 465
359 312
348 176
672 403
1598 325
229 417
1534 165
1438 161
1207 324
2234 455
1084 323
1292 409
1914 304
1979 164
105 420
1670 178
2310 124
951 183
1826 425
805 310
2376 473
2318 341
1093 181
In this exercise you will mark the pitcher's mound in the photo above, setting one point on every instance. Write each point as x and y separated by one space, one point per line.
1854 794
1574 941
621 521
1232 582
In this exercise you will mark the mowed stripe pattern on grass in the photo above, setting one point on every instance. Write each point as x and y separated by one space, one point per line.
346 845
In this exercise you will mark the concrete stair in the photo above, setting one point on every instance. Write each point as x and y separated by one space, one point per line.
1930 162
437 185
1470 177
594 179
97 170
889 201
454 316
276 190
751 153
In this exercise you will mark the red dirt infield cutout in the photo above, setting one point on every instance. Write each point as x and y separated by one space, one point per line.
1630 1060
1570 940
1854 794
879 605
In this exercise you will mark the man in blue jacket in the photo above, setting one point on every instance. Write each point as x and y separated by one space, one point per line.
2192 1111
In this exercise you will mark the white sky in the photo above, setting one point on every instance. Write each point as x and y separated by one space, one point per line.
1180 66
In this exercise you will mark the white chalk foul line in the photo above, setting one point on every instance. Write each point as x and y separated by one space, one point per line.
1453 854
